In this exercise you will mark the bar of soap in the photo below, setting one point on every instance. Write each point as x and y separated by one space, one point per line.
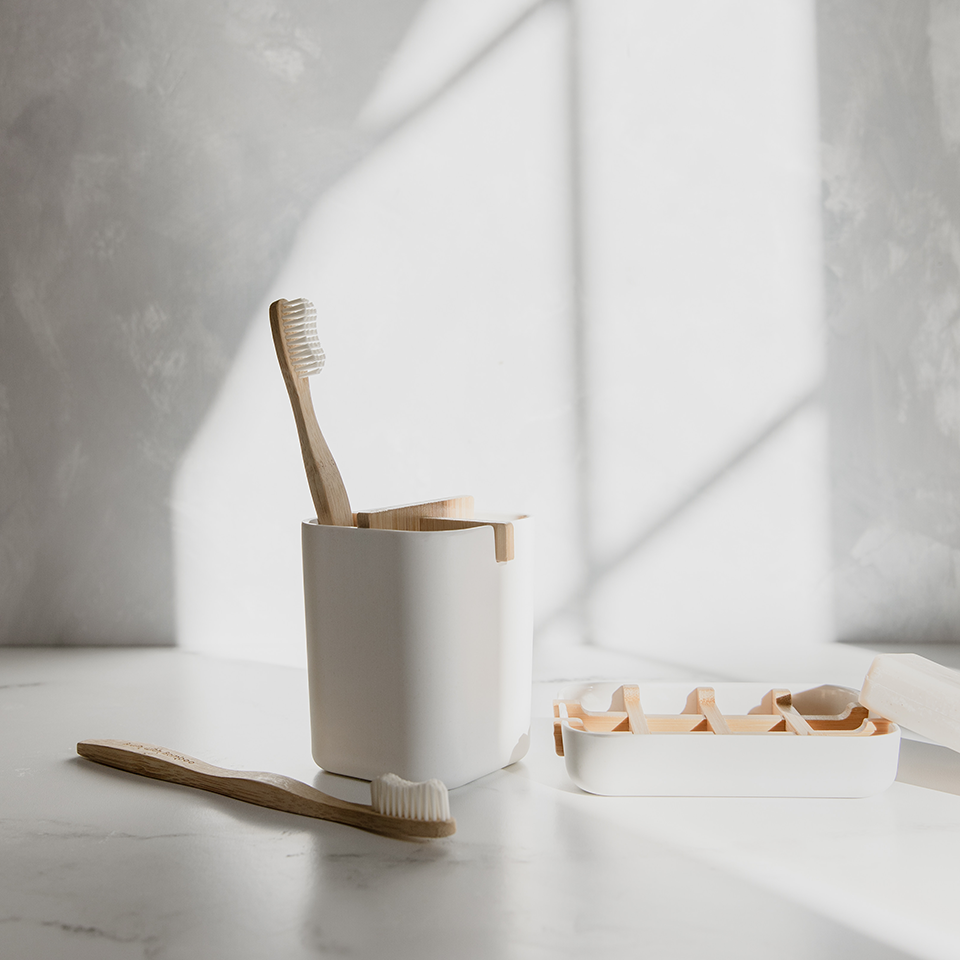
916 693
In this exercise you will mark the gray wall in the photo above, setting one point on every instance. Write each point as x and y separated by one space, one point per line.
890 122
155 162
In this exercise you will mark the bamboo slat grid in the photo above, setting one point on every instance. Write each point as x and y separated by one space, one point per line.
775 715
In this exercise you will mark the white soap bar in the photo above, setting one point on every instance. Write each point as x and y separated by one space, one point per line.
916 693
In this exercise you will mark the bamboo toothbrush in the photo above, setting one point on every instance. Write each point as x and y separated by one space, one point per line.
399 809
294 326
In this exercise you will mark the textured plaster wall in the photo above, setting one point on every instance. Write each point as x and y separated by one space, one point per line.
890 123
156 160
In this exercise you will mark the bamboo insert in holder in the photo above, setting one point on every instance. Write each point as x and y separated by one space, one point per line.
771 750
454 513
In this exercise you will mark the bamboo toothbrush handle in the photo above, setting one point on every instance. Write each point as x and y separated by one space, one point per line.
326 485
264 789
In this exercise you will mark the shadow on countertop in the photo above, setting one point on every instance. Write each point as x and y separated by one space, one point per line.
929 765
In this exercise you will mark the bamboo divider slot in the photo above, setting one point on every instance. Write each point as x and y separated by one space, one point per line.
502 532
407 517
453 513
703 701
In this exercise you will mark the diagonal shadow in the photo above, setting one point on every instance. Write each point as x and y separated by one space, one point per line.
449 83
155 168
599 571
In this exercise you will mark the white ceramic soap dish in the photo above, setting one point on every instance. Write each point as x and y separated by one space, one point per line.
769 743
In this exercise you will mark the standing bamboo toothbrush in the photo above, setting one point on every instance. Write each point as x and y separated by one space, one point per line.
294 326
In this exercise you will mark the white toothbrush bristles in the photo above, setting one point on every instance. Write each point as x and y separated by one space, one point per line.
396 797
298 320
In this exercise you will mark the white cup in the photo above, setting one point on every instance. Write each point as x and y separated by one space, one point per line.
419 650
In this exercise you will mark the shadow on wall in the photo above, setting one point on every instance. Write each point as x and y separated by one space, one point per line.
890 127
155 163
621 220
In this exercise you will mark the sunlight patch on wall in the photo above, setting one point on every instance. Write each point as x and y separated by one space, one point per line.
741 579
703 258
438 266
441 269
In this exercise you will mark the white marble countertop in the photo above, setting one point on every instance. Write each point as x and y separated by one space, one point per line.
96 863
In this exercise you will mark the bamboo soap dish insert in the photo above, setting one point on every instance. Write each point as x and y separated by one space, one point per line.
818 743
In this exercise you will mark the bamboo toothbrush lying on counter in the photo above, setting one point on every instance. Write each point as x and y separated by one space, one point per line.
399 809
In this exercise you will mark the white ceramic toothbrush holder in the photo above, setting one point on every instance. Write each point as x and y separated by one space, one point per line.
419 650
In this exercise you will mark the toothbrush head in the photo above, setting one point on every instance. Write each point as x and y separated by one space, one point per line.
298 328
395 797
